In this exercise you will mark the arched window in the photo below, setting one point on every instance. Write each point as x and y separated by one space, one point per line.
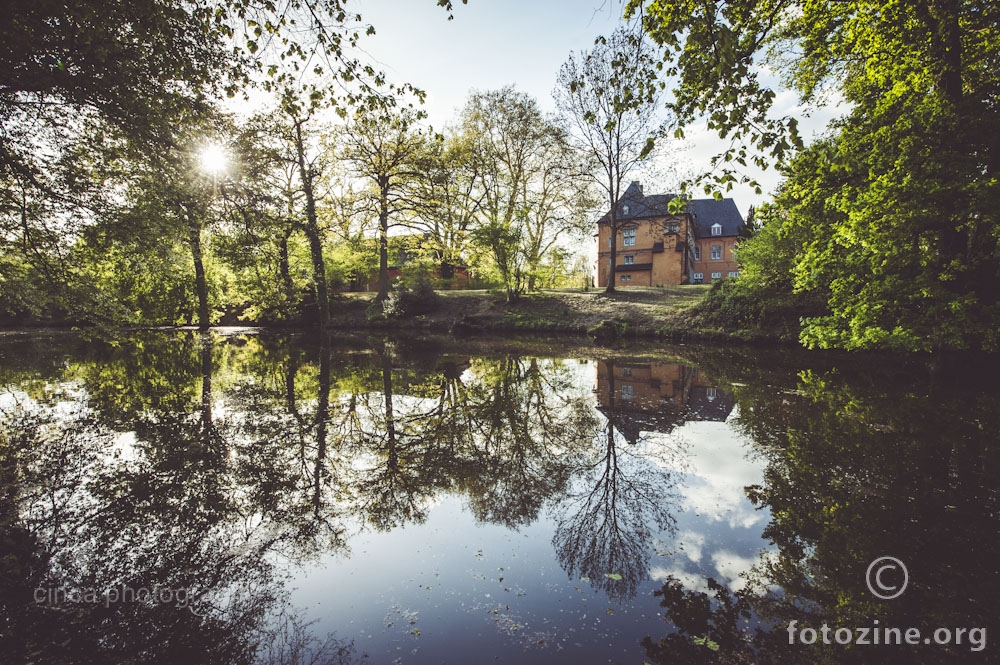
716 229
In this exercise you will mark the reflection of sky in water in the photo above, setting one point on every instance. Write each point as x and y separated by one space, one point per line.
453 590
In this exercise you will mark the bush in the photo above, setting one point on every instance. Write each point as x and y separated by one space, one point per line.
408 299
739 305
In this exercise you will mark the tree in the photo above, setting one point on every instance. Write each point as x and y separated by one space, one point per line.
908 249
448 196
530 191
609 96
382 147
169 201
79 80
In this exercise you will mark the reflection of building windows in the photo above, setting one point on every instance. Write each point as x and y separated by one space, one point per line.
629 259
697 252
716 229
716 252
734 273
626 371
698 278
628 238
716 276
626 278
711 394
627 393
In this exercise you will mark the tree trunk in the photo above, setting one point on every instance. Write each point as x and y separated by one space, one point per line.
283 265
312 230
383 242
200 282
610 288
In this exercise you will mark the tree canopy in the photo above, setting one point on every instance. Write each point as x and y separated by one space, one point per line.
898 205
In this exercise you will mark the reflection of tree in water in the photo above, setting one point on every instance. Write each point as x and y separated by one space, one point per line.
528 427
85 508
504 435
621 492
869 460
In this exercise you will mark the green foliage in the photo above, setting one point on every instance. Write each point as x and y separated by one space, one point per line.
893 218
411 297
529 193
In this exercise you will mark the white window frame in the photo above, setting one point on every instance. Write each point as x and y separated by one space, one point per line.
627 236
734 273
716 252
698 278
716 229
716 276
628 259
697 252
625 278
628 393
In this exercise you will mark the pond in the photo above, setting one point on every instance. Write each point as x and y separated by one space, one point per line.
245 496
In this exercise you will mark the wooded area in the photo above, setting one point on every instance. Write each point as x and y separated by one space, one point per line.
884 233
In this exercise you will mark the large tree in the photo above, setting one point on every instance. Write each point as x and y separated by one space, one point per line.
382 146
530 190
609 95
905 240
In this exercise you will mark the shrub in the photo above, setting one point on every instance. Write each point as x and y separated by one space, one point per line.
408 298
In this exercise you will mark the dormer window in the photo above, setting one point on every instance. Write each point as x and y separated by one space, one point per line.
716 229
624 210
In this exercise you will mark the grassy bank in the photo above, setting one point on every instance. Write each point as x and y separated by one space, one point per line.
637 312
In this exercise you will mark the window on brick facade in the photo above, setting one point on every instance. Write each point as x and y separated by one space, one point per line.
734 273
628 259
628 238
716 276
698 278
697 252
716 252
626 278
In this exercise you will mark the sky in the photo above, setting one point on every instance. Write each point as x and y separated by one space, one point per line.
493 43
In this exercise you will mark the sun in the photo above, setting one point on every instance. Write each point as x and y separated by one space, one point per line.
213 158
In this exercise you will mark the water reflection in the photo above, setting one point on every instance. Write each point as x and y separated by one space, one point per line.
863 461
221 465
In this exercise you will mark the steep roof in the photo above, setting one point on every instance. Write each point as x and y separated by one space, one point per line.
708 212
633 204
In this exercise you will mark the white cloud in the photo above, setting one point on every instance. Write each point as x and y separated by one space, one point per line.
731 566
720 469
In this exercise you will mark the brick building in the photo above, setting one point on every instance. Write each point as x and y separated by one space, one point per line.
657 248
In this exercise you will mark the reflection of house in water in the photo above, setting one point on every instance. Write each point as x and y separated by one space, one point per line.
657 397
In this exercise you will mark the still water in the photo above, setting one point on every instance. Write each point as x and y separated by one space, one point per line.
252 497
